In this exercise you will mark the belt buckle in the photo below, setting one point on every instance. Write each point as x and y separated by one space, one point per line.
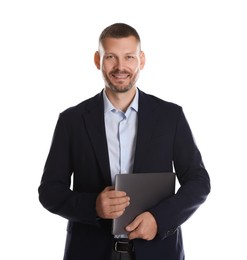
123 243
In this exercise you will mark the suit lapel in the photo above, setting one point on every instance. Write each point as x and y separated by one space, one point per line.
147 119
94 121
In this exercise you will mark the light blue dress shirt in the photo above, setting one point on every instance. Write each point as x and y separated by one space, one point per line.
121 130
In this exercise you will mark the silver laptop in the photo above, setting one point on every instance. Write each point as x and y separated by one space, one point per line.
145 191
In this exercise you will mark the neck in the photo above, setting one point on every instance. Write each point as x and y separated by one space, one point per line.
121 101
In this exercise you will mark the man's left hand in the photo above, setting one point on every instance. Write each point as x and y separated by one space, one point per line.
144 227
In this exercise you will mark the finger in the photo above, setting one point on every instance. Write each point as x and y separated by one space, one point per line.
133 225
116 214
144 227
138 232
132 236
119 206
111 203
123 201
116 194
108 188
115 209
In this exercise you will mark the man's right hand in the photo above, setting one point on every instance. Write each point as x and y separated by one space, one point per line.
111 204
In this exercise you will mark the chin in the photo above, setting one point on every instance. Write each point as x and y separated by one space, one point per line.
119 89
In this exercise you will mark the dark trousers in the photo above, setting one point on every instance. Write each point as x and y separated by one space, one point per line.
122 256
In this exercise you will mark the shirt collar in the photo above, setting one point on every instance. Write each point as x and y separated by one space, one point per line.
109 107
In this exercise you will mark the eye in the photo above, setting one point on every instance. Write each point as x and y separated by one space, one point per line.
109 57
130 57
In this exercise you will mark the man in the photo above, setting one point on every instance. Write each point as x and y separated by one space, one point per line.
121 130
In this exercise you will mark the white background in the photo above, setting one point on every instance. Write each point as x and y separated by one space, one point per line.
196 56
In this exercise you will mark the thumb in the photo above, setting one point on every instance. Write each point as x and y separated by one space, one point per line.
133 225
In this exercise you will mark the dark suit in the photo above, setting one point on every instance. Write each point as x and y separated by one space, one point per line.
79 146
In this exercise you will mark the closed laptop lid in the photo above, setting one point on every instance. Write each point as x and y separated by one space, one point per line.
145 191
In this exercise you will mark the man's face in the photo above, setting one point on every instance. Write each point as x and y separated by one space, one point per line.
120 61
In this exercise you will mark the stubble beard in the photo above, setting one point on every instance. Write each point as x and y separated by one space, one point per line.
121 89
118 89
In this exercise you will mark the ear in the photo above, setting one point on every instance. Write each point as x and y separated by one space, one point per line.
142 60
97 60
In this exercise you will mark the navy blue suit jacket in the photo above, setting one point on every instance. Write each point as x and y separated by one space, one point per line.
79 149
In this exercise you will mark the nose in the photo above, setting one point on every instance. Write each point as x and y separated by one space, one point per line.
120 64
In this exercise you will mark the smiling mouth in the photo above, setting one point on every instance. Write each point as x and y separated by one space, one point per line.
120 75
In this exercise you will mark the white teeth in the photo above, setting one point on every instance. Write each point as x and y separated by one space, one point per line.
120 76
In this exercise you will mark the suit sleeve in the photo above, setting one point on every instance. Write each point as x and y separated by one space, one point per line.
54 191
193 178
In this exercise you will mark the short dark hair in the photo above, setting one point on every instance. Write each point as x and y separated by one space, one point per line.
119 30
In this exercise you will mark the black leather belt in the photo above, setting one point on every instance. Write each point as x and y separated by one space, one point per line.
123 245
